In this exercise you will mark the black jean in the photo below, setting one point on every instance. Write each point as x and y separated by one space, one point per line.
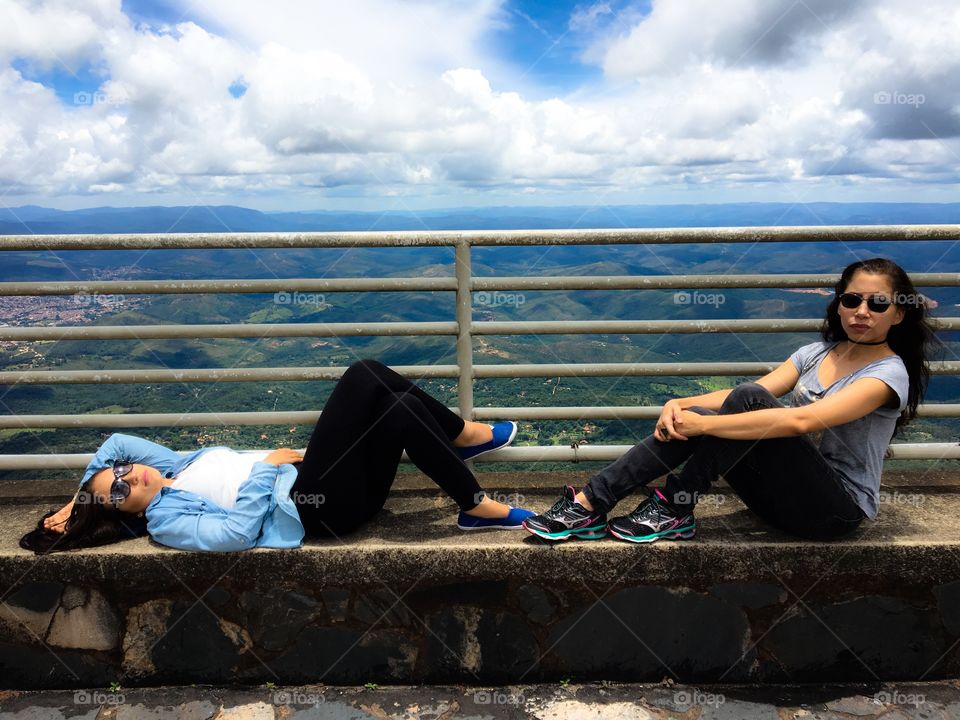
786 481
371 417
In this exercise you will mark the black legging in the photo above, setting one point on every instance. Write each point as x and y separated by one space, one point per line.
371 417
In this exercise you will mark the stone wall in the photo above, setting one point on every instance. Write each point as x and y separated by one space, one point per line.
63 634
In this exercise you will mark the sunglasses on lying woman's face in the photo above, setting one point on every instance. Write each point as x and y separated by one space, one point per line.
875 303
120 488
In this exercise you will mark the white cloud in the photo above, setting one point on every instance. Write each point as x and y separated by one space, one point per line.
54 32
392 42
735 32
378 98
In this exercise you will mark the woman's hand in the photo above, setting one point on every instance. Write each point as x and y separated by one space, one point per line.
282 456
675 423
58 521
693 424
670 417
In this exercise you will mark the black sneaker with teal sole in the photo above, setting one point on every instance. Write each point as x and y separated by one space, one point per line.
566 519
654 519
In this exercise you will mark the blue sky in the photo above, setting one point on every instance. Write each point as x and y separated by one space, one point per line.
537 39
438 103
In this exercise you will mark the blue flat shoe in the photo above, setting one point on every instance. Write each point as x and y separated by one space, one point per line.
513 521
503 434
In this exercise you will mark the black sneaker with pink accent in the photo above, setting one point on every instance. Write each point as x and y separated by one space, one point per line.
655 519
566 519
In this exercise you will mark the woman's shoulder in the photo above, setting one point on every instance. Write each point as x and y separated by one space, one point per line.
892 370
893 366
895 359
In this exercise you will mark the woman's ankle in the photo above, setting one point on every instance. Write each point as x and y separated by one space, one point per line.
582 499
473 433
490 509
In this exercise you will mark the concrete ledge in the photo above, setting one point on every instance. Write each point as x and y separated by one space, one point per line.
413 599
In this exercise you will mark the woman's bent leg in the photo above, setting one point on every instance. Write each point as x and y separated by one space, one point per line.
382 378
411 425
352 455
786 481
644 462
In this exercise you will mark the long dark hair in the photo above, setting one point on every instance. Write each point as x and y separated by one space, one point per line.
91 523
911 338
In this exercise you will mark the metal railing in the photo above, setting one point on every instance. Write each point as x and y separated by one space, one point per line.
463 327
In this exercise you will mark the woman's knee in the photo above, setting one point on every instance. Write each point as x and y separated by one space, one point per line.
368 364
401 406
367 368
748 394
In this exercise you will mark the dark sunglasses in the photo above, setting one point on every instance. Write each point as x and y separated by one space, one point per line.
876 303
120 488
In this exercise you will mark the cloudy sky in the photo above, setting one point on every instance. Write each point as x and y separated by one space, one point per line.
373 104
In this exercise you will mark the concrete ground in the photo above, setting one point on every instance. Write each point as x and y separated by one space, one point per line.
914 543
543 702
916 533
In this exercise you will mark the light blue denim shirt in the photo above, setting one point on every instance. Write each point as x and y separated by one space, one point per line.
264 515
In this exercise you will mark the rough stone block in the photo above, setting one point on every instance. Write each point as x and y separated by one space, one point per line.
274 618
341 655
336 600
857 640
647 632
538 604
146 624
508 650
453 649
750 594
382 607
948 601
28 610
85 620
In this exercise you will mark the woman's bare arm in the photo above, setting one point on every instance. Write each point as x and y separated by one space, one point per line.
858 399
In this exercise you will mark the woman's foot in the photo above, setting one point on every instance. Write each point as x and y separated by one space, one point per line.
655 519
498 435
492 514
568 518
489 509
474 433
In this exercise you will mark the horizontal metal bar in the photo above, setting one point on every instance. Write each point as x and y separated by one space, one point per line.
654 282
238 330
554 282
615 236
924 451
297 417
184 287
705 369
158 375
636 412
528 453
641 327
139 420
369 329
553 453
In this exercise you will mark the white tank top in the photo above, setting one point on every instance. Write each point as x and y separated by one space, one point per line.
218 474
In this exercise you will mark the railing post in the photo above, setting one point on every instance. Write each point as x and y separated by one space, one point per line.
465 328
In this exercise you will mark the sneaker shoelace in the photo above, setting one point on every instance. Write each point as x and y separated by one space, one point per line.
560 505
648 509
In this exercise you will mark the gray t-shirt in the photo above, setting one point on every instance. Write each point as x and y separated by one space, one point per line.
855 449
